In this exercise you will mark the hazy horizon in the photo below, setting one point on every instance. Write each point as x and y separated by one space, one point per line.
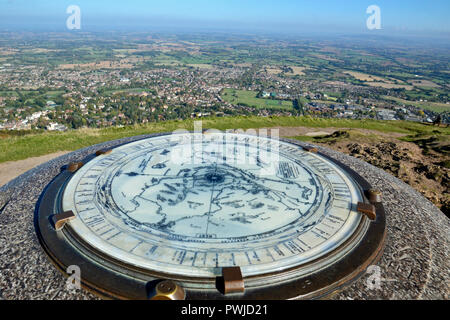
282 17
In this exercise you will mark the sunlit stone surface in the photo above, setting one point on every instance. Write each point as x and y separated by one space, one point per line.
414 265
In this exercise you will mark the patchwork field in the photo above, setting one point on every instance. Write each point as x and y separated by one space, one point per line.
201 66
432 106
248 98
296 71
392 83
97 65
424 84
364 76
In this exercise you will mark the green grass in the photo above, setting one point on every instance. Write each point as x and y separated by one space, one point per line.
432 106
8 93
248 98
21 145
54 94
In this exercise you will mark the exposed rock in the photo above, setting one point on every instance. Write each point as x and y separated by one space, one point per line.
408 162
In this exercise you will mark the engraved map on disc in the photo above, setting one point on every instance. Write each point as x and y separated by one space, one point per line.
189 204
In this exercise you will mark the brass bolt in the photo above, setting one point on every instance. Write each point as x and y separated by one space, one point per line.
310 149
102 152
374 195
168 290
74 166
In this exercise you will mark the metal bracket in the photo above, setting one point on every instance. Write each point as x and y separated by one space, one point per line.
60 220
103 152
310 149
74 166
233 281
367 209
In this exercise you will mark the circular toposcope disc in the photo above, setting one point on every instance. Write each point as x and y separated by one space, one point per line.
185 207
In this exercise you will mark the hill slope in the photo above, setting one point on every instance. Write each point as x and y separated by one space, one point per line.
418 154
22 145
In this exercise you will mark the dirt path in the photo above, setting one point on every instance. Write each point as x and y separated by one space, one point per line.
12 169
314 132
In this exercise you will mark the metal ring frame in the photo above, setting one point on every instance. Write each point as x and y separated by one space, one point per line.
112 279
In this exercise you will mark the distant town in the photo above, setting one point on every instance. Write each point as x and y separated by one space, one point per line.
54 84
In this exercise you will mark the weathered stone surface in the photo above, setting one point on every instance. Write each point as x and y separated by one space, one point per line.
415 263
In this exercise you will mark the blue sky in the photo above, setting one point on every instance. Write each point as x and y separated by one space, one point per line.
280 15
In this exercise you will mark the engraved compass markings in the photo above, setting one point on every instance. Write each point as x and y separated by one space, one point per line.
106 232
194 259
137 245
209 210
94 221
214 178
114 235
195 205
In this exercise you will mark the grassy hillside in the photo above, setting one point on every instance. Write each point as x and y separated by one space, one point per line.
22 145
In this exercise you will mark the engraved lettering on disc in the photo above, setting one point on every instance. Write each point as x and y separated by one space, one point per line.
189 207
